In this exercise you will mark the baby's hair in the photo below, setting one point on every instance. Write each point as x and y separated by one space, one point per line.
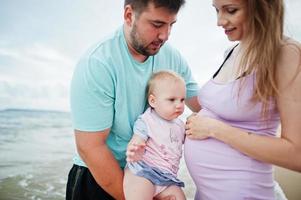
159 76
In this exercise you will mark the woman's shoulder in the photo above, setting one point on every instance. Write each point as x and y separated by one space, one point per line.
289 63
290 40
290 52
290 46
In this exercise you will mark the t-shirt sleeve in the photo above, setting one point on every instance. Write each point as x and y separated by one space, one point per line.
192 87
92 95
140 129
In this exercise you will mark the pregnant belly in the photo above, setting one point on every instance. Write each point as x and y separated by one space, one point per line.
214 154
220 171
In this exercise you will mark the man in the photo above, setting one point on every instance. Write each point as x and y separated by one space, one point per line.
108 94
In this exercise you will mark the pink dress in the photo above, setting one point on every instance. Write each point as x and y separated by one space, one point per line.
219 171
163 151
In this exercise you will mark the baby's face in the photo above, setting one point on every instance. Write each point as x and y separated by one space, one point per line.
169 99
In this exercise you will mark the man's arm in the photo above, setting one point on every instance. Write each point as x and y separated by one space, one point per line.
92 148
193 104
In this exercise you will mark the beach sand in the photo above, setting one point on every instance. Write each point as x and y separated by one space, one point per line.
184 176
290 182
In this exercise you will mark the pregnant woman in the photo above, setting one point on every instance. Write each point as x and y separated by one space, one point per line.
231 143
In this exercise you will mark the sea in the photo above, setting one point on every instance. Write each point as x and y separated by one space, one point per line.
36 151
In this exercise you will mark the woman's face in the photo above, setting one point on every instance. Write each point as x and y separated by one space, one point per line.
231 16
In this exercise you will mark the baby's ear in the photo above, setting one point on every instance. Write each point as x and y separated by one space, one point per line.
152 100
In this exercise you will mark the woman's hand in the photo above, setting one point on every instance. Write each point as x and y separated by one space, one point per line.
200 127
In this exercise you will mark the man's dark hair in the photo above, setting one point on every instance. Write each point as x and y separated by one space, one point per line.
139 5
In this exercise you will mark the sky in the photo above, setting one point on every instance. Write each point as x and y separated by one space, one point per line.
42 40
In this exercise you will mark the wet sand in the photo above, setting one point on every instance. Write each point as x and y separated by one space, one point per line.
290 182
184 176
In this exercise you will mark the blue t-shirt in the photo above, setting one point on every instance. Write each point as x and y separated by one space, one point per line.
108 89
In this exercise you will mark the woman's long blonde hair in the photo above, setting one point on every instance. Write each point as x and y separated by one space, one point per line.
265 20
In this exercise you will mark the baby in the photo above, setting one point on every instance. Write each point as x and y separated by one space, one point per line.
154 152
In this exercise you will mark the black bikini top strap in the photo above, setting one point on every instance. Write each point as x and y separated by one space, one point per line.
227 57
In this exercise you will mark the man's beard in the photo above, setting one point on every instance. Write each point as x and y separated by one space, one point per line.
138 44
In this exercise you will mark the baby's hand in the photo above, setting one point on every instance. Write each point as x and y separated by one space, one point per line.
135 149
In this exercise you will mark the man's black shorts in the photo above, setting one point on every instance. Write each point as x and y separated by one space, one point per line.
82 186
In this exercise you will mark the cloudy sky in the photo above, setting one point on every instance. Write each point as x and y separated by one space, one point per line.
41 41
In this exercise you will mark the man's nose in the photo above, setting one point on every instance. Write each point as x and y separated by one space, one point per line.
164 33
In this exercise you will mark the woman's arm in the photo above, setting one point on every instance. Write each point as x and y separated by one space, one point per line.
289 102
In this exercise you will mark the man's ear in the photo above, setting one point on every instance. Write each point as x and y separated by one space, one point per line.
128 15
152 100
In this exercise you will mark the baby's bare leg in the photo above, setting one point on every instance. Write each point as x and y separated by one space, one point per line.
136 187
172 191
